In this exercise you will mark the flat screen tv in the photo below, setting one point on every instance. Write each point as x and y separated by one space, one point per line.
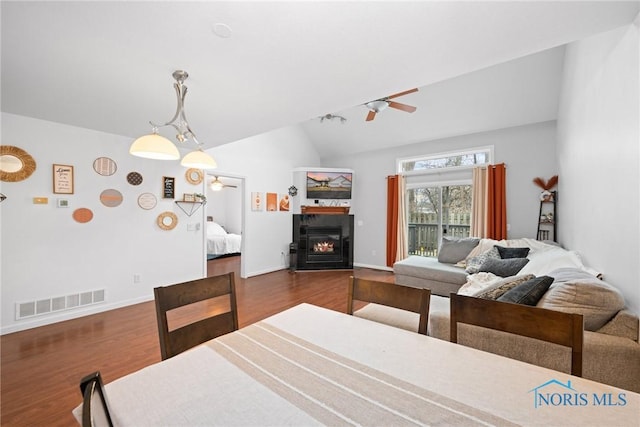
329 185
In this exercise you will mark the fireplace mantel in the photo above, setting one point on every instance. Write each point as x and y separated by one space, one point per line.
331 210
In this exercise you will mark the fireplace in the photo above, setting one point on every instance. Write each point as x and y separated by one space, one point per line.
323 241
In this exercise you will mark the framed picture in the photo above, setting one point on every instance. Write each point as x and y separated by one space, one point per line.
256 201
168 187
62 179
186 197
272 202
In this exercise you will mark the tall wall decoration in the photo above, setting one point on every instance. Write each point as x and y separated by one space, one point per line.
256 201
168 187
283 204
272 202
62 179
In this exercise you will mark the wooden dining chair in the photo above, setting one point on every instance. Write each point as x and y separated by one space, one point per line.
194 312
392 295
95 409
565 329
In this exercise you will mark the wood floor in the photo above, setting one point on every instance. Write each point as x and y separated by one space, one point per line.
41 368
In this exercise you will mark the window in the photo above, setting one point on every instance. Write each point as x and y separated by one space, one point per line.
453 160
438 199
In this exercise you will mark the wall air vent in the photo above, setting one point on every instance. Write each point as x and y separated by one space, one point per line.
51 305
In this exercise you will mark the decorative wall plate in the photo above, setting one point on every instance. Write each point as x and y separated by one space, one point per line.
194 176
167 220
83 215
111 198
104 166
134 178
15 164
147 201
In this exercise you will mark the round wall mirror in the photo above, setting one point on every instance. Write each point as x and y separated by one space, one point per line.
15 164
167 220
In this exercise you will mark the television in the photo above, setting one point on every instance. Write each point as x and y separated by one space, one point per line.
329 185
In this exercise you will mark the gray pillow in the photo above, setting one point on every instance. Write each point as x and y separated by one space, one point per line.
529 292
474 263
503 267
512 252
453 250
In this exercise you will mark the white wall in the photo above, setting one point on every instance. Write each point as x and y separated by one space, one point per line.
528 151
266 161
45 253
598 156
225 206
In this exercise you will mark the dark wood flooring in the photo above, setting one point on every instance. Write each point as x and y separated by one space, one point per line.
41 367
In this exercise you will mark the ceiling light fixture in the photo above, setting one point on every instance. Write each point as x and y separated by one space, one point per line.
332 117
155 146
377 106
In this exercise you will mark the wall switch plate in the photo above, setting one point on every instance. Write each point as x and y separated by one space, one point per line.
40 200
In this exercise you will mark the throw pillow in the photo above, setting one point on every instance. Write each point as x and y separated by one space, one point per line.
503 267
474 263
504 285
506 253
529 292
453 250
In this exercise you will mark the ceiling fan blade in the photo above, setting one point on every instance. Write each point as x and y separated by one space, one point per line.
406 92
403 107
371 116
231 186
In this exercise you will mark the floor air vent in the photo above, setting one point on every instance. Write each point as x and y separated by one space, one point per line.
52 305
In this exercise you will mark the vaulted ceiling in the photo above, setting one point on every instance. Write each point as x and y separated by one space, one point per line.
259 66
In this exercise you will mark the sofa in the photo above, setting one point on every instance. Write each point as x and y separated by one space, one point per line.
560 281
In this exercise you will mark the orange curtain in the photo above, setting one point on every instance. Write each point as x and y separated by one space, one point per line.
496 202
392 218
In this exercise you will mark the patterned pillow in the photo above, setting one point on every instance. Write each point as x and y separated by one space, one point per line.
474 263
529 292
504 285
512 252
503 267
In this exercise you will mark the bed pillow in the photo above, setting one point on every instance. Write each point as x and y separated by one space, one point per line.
506 253
215 229
503 267
453 250
529 292
474 263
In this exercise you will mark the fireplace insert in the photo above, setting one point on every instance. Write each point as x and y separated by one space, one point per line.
323 241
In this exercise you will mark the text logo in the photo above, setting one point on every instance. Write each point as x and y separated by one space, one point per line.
556 393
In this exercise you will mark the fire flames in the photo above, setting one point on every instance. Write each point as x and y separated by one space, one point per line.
323 247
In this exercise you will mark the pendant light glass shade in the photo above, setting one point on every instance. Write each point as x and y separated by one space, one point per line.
216 185
154 146
198 159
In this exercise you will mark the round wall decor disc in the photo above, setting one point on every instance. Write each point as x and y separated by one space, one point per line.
194 176
134 178
167 220
83 215
147 201
104 166
111 198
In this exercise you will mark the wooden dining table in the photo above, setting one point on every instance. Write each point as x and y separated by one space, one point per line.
313 366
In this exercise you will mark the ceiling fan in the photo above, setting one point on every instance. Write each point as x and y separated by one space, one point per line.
217 185
382 103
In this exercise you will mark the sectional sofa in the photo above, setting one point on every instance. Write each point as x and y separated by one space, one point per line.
611 352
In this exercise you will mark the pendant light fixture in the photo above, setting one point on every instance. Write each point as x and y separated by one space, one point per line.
155 146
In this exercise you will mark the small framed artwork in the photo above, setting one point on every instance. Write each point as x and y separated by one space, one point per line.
256 201
63 203
283 203
168 187
62 179
272 202
186 197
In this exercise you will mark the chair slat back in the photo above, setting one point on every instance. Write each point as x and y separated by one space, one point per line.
392 295
557 327
168 298
95 409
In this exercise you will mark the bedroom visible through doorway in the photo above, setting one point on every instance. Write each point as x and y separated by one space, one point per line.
224 216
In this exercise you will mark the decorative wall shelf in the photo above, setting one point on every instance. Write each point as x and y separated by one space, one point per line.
331 210
189 208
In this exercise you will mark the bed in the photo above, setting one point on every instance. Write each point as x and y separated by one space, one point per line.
219 242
